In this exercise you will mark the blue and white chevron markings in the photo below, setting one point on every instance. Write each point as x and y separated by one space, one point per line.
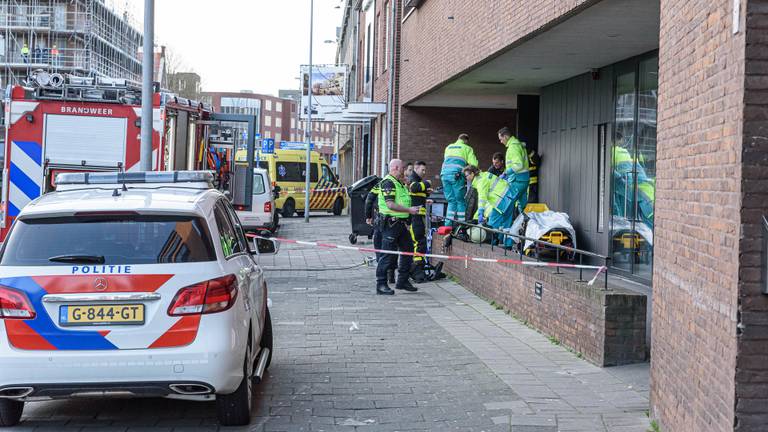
25 175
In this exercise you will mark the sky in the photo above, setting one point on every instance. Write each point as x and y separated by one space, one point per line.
237 45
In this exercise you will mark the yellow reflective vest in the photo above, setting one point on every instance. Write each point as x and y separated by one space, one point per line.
456 157
516 160
490 191
399 194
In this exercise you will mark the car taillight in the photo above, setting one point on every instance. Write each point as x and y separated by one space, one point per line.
211 296
267 207
239 207
15 305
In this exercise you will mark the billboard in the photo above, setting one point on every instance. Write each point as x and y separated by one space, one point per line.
328 90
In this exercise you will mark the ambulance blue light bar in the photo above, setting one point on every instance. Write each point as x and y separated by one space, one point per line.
90 178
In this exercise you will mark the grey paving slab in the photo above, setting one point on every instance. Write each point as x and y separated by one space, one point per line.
441 359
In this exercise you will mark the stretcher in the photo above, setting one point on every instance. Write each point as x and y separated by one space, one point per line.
539 222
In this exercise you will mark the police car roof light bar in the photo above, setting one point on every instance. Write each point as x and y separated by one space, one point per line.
90 178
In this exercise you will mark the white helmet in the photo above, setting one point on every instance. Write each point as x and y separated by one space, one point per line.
477 235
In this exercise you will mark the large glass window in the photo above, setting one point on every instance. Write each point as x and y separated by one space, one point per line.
295 172
108 240
634 166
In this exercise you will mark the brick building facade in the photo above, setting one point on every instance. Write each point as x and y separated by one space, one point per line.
678 89
369 44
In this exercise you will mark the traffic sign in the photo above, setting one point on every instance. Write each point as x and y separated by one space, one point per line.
268 145
296 145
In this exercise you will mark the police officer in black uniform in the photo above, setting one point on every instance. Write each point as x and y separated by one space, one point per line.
420 190
395 211
372 218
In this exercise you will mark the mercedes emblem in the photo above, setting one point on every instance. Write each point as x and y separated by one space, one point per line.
100 284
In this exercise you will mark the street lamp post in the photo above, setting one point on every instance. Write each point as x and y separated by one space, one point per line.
147 73
308 132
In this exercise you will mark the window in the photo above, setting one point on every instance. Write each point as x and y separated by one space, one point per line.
123 239
602 139
278 122
328 175
378 45
633 156
293 123
267 134
268 121
249 106
258 183
279 106
369 54
268 104
386 37
227 234
278 136
242 243
294 172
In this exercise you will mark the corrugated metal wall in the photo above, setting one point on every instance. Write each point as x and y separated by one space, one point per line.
571 112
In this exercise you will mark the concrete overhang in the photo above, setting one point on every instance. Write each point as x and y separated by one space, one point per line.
366 108
357 113
602 34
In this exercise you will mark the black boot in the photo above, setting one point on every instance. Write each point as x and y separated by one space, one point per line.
418 273
383 289
404 284
391 275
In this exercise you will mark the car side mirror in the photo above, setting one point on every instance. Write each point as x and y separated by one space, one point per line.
264 246
277 189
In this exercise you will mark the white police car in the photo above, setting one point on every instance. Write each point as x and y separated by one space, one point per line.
138 284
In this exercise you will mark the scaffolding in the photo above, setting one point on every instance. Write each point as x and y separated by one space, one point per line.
79 37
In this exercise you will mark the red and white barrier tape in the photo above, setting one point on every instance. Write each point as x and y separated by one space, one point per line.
466 259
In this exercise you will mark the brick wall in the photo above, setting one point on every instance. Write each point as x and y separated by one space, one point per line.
607 327
698 200
435 48
752 359
424 133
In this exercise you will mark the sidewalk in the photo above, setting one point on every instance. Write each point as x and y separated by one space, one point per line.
440 359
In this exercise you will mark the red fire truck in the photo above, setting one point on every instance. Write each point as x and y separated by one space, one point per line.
77 124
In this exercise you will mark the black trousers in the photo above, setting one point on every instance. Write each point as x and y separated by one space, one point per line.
377 240
395 237
533 193
419 231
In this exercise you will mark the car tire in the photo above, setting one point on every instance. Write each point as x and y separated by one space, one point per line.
338 206
235 409
275 222
288 208
10 412
266 338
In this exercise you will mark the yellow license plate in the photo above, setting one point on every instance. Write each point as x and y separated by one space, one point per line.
93 315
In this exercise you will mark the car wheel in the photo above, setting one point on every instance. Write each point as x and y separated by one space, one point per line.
288 209
235 409
266 338
275 222
338 206
10 412
353 238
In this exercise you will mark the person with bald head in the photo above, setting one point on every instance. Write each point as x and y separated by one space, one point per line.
395 211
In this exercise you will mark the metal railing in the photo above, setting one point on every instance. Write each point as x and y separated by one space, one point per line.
520 245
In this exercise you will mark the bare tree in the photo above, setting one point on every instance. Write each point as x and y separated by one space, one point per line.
181 79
